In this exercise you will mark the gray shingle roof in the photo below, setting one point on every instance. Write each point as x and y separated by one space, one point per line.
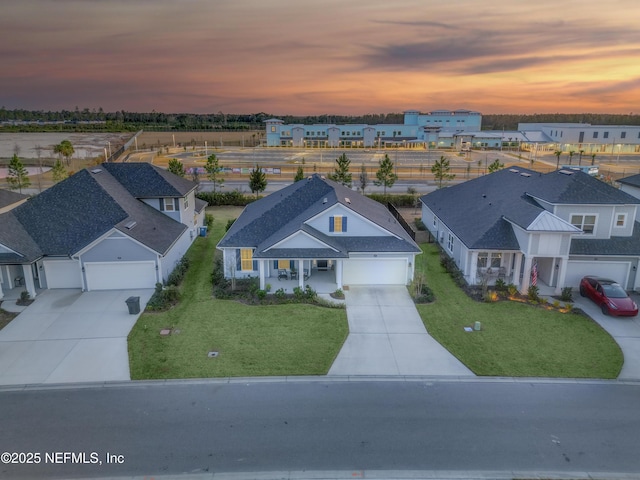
275 217
476 210
7 197
608 246
143 180
633 180
73 213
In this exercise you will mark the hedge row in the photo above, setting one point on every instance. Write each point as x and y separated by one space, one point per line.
215 199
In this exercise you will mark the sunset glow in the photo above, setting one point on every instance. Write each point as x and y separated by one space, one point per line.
336 57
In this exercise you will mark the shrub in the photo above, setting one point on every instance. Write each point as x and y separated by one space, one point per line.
229 223
512 289
267 287
176 276
208 220
426 295
261 294
338 293
403 200
420 224
24 296
235 198
500 285
298 293
567 294
164 298
533 293
556 304
280 294
309 293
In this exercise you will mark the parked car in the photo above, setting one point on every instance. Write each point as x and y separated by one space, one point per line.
609 295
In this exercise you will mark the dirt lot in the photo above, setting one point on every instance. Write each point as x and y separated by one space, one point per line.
218 139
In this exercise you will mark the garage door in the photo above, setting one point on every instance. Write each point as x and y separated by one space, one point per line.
62 274
618 271
120 275
379 271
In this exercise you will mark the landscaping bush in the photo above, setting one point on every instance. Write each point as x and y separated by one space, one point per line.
500 286
420 224
533 293
176 276
567 294
403 200
229 223
426 295
208 220
163 298
226 198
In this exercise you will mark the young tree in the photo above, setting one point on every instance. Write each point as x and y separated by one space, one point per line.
557 153
571 154
257 180
385 175
64 149
299 174
58 172
214 171
363 178
441 171
17 177
495 166
176 167
593 158
341 173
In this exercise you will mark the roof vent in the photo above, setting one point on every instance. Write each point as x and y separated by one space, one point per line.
96 170
130 225
525 174
324 200
347 199
513 170
565 172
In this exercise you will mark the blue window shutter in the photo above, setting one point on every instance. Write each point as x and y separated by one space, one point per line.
275 264
331 224
292 264
176 204
344 224
238 260
255 265
162 204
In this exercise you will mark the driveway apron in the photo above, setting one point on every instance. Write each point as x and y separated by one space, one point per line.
624 330
387 337
66 336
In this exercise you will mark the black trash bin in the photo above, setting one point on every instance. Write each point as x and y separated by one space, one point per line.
134 305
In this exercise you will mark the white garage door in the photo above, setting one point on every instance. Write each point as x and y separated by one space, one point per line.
120 275
379 271
618 271
62 273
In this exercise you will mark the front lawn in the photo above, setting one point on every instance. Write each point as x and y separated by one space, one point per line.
516 340
270 340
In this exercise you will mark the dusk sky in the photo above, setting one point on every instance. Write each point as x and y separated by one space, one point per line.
321 57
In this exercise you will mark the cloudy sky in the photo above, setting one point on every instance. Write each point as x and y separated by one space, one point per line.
314 57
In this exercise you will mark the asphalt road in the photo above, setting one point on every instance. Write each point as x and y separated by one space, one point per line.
195 427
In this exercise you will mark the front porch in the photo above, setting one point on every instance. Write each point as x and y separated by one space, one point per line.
322 281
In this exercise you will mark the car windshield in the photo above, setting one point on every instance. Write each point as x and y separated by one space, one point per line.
614 290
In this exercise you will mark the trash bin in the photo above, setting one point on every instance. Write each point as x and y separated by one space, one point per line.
134 305
203 231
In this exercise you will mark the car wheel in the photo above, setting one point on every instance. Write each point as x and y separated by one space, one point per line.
583 292
605 310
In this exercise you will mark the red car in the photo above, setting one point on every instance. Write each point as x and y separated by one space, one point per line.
609 295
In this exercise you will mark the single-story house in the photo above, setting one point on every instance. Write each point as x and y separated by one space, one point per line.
319 228
113 226
520 226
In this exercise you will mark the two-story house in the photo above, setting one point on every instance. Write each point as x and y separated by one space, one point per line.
114 226
519 225
317 225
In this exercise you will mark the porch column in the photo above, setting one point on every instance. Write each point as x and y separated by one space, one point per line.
515 279
300 267
526 277
1 292
27 274
474 268
261 269
339 273
9 277
562 274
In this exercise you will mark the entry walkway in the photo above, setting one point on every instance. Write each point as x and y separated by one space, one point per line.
387 337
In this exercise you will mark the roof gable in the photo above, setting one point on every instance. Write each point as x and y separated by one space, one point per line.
143 180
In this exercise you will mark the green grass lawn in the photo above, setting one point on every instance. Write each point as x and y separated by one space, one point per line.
270 340
516 339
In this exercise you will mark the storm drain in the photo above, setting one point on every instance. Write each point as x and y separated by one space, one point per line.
212 354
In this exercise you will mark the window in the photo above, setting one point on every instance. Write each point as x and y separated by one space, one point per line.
586 223
338 223
621 220
186 202
606 135
273 129
435 221
169 205
595 134
246 259
496 260
483 259
623 134
450 243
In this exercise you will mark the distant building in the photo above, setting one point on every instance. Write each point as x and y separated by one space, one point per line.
435 129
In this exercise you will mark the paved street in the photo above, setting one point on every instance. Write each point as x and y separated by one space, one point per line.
247 426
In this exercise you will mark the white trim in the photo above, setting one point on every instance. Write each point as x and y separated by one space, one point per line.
11 250
106 235
299 232
624 220
595 222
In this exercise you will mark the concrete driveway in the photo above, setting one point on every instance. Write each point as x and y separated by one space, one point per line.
68 336
387 337
624 330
